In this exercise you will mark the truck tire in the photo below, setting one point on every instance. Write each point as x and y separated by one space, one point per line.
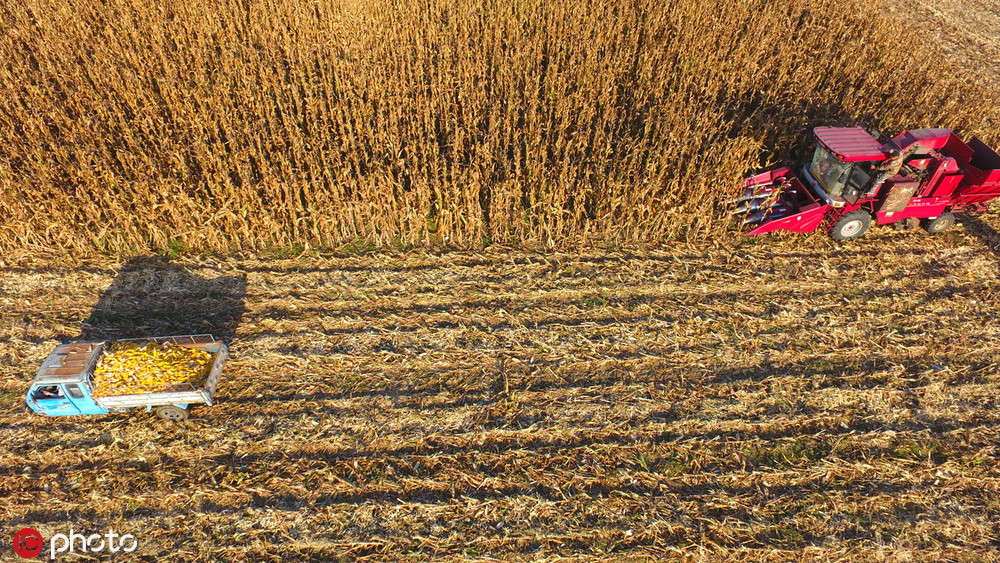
172 413
851 225
939 224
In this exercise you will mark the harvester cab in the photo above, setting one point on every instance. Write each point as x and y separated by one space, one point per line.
853 180
843 165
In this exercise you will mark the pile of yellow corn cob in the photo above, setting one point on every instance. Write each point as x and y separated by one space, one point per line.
132 367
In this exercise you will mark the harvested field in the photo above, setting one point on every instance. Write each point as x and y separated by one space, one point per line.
778 399
965 32
788 399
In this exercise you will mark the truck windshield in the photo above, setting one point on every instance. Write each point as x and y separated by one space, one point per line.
831 172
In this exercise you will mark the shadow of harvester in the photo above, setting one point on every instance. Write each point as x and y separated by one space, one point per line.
151 296
981 230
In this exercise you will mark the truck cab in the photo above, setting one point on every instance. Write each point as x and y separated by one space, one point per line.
63 398
61 386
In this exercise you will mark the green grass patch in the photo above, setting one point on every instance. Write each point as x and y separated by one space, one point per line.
799 452
929 450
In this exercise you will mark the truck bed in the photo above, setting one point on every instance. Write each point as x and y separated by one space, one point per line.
185 394
982 177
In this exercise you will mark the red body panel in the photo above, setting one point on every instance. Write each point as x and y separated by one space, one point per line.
805 221
975 200
919 208
946 186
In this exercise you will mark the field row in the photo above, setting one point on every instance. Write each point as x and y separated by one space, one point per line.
783 401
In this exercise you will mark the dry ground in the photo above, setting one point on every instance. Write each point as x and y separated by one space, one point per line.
964 31
785 399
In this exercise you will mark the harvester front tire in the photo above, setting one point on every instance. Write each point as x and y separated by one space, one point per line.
851 225
939 224
172 413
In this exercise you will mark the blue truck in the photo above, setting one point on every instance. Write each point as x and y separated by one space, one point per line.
64 384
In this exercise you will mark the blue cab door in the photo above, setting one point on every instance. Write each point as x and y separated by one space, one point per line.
79 395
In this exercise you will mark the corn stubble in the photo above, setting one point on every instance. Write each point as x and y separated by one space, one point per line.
802 403
227 124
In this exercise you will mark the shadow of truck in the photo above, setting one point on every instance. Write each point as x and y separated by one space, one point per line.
151 296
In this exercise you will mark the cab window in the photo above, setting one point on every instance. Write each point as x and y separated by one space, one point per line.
860 176
48 392
73 390
857 182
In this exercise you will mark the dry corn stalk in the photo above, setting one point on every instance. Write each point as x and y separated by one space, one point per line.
131 367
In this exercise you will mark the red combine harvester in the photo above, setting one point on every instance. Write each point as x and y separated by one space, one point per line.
924 175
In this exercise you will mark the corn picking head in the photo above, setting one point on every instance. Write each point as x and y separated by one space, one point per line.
760 201
776 200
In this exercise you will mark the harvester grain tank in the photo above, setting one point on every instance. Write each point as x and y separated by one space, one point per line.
853 180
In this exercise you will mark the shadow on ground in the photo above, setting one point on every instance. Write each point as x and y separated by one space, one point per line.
151 296
981 230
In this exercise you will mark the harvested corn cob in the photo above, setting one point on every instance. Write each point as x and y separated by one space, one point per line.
131 368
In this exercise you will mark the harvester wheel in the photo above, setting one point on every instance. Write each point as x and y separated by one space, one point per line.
851 225
172 413
939 224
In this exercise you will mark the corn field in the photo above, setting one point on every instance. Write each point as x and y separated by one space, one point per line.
248 124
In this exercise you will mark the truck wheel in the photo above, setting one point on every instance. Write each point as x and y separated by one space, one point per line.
939 224
172 413
851 225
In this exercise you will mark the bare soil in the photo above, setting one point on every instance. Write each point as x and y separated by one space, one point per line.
785 399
